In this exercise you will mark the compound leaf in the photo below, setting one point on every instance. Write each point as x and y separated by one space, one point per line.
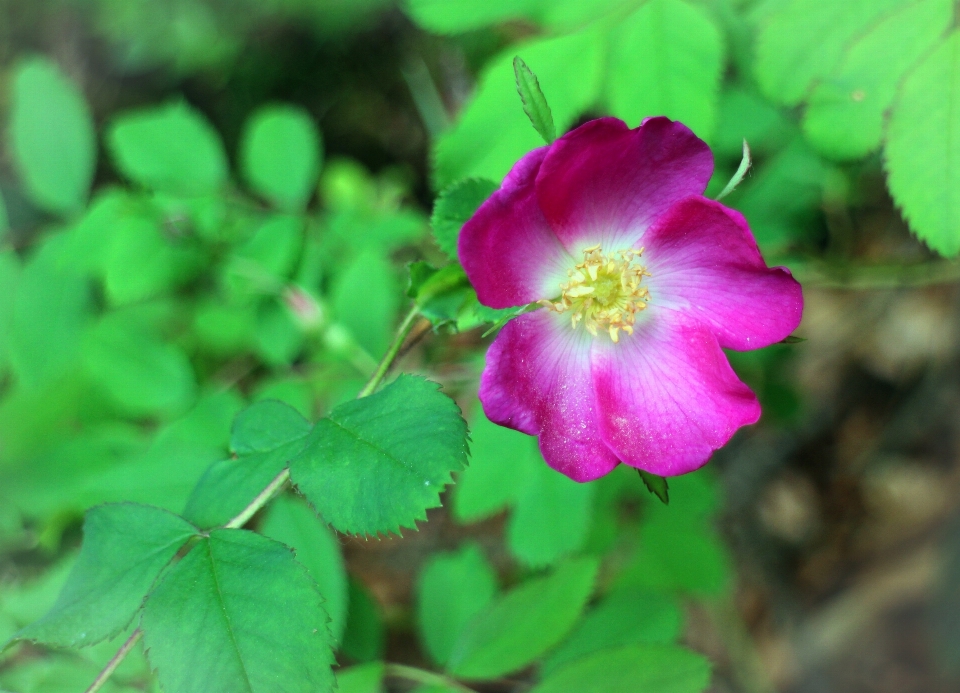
238 614
125 547
376 464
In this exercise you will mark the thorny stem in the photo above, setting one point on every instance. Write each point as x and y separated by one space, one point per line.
423 676
115 661
271 490
388 358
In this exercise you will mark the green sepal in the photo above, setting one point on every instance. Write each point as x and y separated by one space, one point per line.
657 485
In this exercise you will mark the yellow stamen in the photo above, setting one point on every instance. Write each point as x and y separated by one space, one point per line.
603 292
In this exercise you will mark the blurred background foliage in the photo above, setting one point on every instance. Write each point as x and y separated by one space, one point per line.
208 203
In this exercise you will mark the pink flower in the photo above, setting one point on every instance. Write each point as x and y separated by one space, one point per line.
643 280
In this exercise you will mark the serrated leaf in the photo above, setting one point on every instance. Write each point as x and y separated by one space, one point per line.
550 518
452 589
266 425
626 617
317 549
376 464
454 206
52 136
524 623
238 613
923 149
534 102
492 133
280 155
125 546
660 668
170 148
845 112
657 485
667 59
138 372
501 462
803 40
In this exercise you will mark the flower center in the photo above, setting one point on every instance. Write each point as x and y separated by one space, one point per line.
604 292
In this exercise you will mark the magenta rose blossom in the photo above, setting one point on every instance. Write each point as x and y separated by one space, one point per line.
642 281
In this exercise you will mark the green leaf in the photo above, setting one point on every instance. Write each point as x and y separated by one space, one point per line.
452 589
139 373
667 59
524 623
804 40
265 426
42 350
364 299
845 112
4 219
171 148
492 133
534 102
364 638
376 464
626 617
551 517
660 668
923 149
280 155
279 338
745 115
454 206
501 462
290 521
125 546
52 136
238 613
364 678
265 261
657 485
443 17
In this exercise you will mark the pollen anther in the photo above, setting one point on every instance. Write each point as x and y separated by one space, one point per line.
603 292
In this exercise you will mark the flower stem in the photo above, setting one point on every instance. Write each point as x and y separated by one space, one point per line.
388 358
261 500
401 671
115 661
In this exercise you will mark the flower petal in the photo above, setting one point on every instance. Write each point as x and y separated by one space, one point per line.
507 248
537 380
667 395
704 262
605 183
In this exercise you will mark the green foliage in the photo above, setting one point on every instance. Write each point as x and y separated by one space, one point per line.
656 485
125 547
922 149
364 299
454 206
666 59
52 137
291 522
661 668
239 611
266 426
524 623
280 155
171 148
626 617
364 678
367 467
453 588
534 102
364 637
845 112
